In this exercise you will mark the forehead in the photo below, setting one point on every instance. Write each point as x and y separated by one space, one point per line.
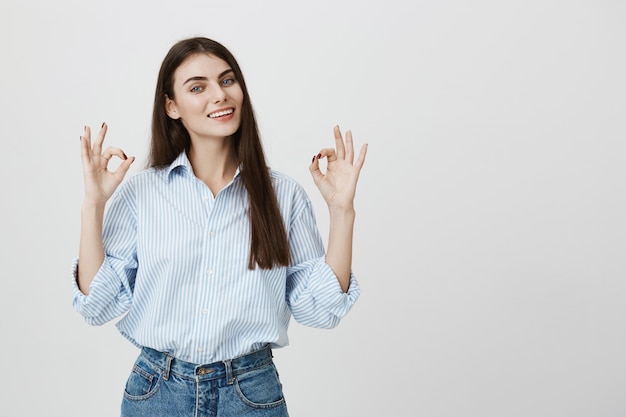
200 65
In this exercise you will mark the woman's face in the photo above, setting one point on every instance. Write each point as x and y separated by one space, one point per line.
207 98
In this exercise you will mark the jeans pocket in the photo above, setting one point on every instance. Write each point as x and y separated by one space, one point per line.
260 388
143 381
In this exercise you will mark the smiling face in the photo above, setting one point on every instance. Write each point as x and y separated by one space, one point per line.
207 98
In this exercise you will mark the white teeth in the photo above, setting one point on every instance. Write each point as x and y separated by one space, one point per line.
221 113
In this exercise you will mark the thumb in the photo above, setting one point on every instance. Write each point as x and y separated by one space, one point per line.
121 171
315 170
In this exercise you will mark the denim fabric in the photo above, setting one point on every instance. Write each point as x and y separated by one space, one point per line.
160 385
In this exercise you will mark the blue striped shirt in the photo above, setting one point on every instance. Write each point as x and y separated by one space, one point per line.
176 262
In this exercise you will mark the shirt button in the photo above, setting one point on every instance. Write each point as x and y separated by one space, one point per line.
205 311
213 234
209 272
207 198
200 349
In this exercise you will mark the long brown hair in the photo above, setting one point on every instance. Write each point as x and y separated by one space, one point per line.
268 240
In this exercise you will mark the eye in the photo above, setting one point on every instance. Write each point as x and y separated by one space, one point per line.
196 89
228 81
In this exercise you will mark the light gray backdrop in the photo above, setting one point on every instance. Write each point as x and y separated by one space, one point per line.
490 236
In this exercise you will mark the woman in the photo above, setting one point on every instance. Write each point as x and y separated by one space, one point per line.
209 252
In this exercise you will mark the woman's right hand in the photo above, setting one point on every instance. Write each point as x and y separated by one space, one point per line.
100 183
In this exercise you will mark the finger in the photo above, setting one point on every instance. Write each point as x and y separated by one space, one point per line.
349 147
97 145
85 145
87 136
328 153
110 152
341 151
85 155
360 160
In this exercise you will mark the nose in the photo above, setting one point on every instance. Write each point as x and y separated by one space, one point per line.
217 93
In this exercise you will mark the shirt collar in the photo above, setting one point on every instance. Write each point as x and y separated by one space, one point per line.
181 163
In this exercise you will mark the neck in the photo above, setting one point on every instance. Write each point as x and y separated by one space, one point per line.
214 162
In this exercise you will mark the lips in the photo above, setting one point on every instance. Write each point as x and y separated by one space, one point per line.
221 113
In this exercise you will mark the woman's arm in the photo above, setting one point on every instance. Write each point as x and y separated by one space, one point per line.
338 187
100 183
91 251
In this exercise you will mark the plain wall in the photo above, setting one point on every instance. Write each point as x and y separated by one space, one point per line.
490 237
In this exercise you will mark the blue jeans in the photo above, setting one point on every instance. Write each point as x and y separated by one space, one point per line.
161 385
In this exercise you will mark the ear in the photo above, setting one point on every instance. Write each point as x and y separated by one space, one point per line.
170 108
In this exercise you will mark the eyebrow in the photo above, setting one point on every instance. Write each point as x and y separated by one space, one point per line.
199 78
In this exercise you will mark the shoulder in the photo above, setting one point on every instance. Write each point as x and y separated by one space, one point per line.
292 198
139 182
285 185
147 175
279 177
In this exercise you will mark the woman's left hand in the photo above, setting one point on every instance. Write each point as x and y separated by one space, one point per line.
338 183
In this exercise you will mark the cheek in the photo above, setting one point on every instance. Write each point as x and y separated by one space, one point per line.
194 108
237 95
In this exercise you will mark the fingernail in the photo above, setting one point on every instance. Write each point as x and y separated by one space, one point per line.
85 128
319 155
125 157
313 160
103 124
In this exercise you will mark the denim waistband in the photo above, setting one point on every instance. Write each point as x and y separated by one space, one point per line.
228 368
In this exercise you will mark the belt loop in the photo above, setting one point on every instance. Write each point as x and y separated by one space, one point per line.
168 366
229 372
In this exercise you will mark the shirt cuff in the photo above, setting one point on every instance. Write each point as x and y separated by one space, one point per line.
102 290
327 292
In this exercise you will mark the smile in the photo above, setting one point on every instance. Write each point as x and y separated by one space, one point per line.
221 113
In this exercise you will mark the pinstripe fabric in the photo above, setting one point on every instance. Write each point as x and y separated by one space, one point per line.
176 264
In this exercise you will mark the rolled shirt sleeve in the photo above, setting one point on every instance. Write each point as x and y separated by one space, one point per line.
315 296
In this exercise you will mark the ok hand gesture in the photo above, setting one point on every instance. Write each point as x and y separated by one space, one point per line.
338 183
100 183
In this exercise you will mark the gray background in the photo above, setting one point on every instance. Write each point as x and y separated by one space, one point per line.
490 233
